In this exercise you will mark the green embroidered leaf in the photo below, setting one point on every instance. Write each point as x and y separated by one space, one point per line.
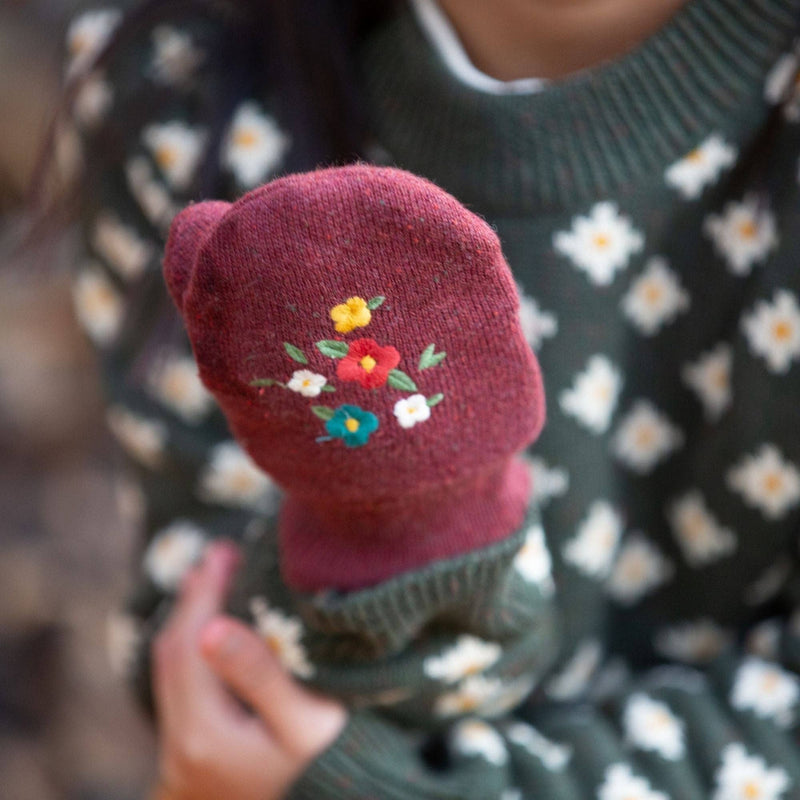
332 348
295 353
265 382
328 388
323 412
430 358
434 400
375 302
399 380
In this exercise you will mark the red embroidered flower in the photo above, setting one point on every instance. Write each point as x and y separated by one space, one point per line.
368 363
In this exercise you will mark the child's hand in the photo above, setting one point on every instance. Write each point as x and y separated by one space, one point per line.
204 664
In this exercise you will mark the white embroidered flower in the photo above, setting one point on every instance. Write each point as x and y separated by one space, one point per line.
254 145
121 247
232 479
783 84
473 737
768 583
701 167
573 678
744 234
93 101
644 438
745 777
710 378
537 325
142 439
764 640
773 331
175 56
508 697
767 482
533 561
765 689
650 725
469 697
306 382
593 396
283 635
87 34
98 305
176 383
468 656
411 410
695 642
639 569
601 243
595 543
655 298
546 482
172 552
553 756
621 784
151 196
124 637
176 149
701 538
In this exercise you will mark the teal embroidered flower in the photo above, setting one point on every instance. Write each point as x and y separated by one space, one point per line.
352 424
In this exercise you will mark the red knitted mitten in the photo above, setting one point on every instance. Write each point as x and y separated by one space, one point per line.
358 327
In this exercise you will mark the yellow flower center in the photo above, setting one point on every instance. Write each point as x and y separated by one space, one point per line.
751 790
176 385
99 299
782 330
351 424
601 240
166 157
368 363
241 481
748 229
770 682
245 138
695 157
79 43
652 294
645 436
306 382
274 644
773 483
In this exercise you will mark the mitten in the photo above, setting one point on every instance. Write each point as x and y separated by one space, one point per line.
359 329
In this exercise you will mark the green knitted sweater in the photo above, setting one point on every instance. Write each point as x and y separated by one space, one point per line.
638 637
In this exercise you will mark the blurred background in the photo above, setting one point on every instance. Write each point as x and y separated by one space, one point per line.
68 728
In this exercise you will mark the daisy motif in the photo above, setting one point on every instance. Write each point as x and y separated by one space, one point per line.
765 689
533 561
644 438
773 331
701 538
175 56
593 547
93 101
121 247
507 697
655 298
621 784
650 725
412 410
231 479
537 325
283 634
553 756
152 198
124 637
468 656
744 234
639 569
783 84
306 383
697 642
601 243
742 776
573 679
473 737
767 482
546 482
700 168
471 696
88 34
710 378
172 552
98 305
176 149
254 145
593 396
142 439
175 383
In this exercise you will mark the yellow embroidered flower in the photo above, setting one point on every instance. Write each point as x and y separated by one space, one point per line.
353 313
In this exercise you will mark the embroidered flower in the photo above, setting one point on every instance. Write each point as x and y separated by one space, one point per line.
697 642
230 478
621 784
767 690
639 569
533 561
98 305
306 383
710 378
353 313
553 756
645 437
745 777
546 482
468 656
172 552
283 635
124 638
773 331
700 168
473 737
650 725
176 383
764 639
469 697
88 34
655 298
176 148
701 538
783 84
573 678
600 243
593 547
254 145
121 247
93 100
593 396
767 482
744 234
536 324
352 424
142 439
367 363
412 410
175 56
151 196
